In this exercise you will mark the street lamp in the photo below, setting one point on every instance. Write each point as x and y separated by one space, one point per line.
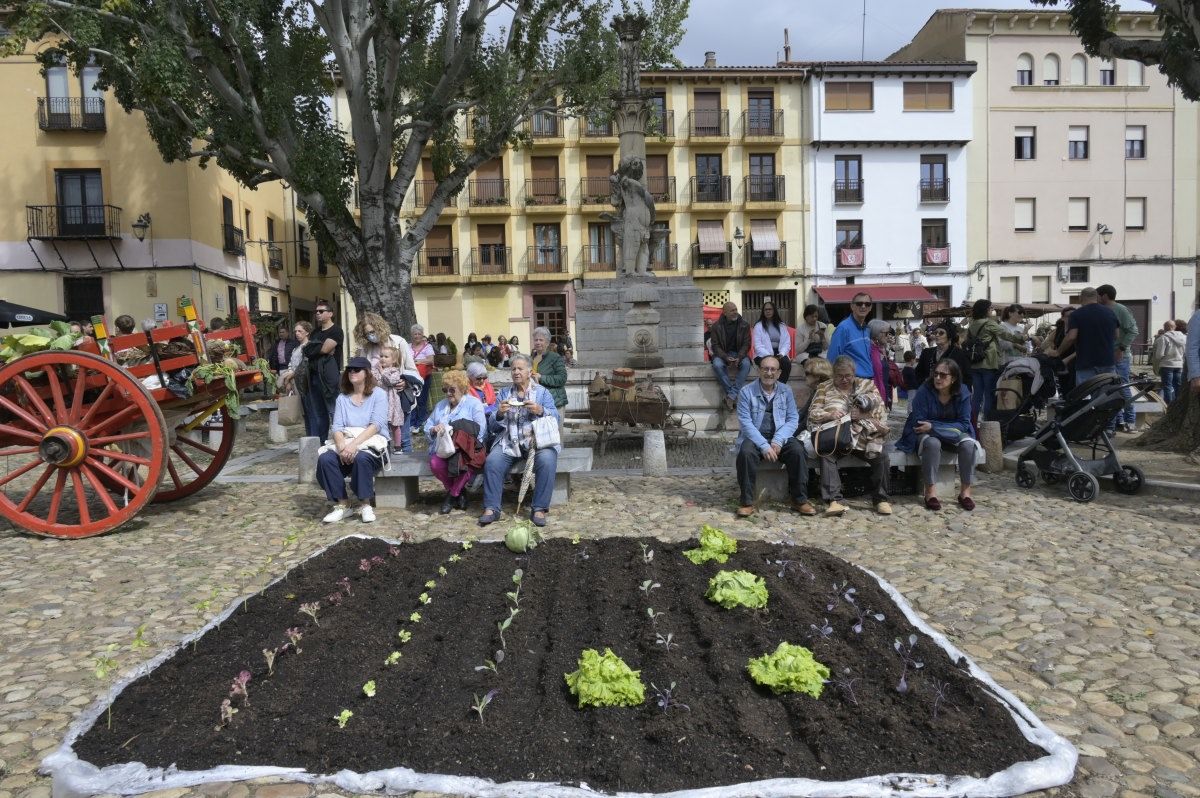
739 237
141 226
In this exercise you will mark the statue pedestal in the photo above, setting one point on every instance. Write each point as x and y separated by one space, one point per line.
603 335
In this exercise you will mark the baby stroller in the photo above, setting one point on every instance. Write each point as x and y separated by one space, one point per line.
1081 417
1017 410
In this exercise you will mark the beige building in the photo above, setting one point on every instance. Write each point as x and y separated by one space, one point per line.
96 222
1082 171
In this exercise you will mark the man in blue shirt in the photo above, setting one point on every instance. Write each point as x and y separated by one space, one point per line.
1092 328
769 419
853 338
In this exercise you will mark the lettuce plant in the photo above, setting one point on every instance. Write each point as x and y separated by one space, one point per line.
369 689
404 635
227 713
737 589
424 598
906 656
392 658
714 545
343 718
481 703
139 639
415 617
442 570
605 681
310 609
344 584
269 655
294 635
789 669
239 687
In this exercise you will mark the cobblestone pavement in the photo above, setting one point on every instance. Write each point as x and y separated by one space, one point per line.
1087 612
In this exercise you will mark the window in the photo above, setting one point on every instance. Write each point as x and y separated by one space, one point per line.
711 185
784 301
1077 213
493 253
83 297
934 186
547 248
1108 75
762 185
847 178
760 113
1024 214
601 253
1077 142
270 230
711 246
1137 73
1041 289
660 246
550 311
93 98
928 95
933 232
1078 274
252 298
1025 140
1008 291
246 229
274 304
707 116
658 124
765 248
1079 68
849 96
1135 141
231 291
302 244
849 233
1024 69
1135 213
79 197
1050 70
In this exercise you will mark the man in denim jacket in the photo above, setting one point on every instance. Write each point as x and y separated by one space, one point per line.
769 419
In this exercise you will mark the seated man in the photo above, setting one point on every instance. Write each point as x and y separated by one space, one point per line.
769 420
730 341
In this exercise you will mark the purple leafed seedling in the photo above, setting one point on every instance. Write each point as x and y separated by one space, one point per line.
823 631
838 593
666 699
376 560
863 615
667 641
481 703
845 685
792 566
239 687
294 636
310 610
393 551
227 712
365 566
906 656
344 585
939 696
334 599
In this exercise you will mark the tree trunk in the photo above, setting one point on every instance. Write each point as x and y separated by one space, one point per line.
384 287
1179 429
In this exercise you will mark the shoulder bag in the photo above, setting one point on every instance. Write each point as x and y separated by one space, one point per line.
833 438
545 432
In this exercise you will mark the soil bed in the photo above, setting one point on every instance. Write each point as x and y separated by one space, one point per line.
573 597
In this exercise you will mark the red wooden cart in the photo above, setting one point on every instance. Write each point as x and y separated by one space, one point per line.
84 444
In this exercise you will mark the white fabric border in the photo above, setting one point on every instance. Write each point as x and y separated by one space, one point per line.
74 778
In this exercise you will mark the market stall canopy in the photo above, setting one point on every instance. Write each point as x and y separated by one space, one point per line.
899 292
14 315
1032 310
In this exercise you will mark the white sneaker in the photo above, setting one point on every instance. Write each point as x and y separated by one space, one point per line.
368 513
338 513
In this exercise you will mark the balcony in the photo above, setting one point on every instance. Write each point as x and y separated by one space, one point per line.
850 257
546 260
662 188
233 240
763 188
765 258
935 191
71 113
477 125
545 127
702 261
710 188
50 222
274 257
664 258
599 258
491 259
595 191
660 125
437 261
597 134
935 255
847 192
488 192
708 124
762 124
543 191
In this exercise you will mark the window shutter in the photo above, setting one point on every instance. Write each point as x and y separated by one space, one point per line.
1135 213
1023 213
1077 133
1077 213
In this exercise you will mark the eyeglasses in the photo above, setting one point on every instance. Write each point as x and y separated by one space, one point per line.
449 391
939 334
354 369
863 304
323 310
480 378
945 374
768 370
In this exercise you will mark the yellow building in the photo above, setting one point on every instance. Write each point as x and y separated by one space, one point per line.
95 222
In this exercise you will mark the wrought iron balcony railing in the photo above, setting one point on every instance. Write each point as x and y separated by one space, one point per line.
488 191
710 188
546 259
491 259
47 222
763 188
763 123
71 113
437 261
847 192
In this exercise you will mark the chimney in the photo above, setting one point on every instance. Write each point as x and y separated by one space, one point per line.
710 58
787 48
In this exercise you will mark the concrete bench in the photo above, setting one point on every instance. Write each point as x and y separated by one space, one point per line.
397 486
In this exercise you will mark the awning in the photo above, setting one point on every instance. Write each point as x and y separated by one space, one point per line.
763 236
711 236
900 292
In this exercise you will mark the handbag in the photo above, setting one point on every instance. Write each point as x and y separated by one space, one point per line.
948 435
444 446
545 432
834 438
290 410
376 444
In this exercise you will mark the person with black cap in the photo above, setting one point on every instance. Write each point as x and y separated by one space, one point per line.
359 416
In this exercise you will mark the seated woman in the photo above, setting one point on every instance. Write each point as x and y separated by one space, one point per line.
512 439
359 414
481 389
939 417
462 415
856 400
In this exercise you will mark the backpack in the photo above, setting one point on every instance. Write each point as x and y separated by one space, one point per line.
977 349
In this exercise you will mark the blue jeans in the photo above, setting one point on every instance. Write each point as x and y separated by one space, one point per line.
545 462
332 473
317 413
720 368
1172 379
1128 415
983 392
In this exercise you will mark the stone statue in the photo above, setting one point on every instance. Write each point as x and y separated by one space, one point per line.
634 218
629 30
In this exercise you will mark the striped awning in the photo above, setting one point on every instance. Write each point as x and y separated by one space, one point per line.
763 235
711 236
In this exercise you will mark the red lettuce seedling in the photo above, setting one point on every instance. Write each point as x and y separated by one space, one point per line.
239 687
839 592
294 635
376 560
334 598
344 584
863 615
394 551
310 610
227 713
364 566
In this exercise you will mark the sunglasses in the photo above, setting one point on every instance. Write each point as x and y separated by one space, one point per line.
939 334
354 369
945 374
863 304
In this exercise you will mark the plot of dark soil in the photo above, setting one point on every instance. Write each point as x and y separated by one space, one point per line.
573 597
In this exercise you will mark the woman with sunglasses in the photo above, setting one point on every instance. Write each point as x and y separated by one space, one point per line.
945 344
939 418
359 413
461 415
481 388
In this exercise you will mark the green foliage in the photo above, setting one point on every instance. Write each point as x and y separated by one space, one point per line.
521 538
37 339
369 689
714 545
343 718
605 681
737 589
393 658
789 669
212 372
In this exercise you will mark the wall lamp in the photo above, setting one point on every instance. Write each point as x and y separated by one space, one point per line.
141 226
1105 234
739 237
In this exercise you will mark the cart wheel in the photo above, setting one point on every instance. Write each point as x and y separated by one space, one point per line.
1083 486
83 444
684 422
192 463
1025 478
1050 478
1129 479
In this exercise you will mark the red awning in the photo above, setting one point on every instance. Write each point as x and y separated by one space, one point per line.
900 292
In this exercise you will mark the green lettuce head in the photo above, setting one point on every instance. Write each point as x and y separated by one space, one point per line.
737 589
714 545
789 669
605 681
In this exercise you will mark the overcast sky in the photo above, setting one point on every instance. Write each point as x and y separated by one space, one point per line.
750 32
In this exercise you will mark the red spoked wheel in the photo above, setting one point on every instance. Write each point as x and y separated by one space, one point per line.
193 463
82 444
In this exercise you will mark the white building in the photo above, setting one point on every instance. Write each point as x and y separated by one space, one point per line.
887 184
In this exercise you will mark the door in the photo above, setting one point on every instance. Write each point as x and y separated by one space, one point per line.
708 178
660 246
657 126
933 178
1140 308
784 300
550 311
601 254
762 179
760 114
847 178
93 98
544 184
58 97
489 183
233 299
80 202
547 252
707 113
439 255
656 178
492 253
595 183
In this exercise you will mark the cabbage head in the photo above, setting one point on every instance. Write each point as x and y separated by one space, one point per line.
714 545
737 589
789 669
605 681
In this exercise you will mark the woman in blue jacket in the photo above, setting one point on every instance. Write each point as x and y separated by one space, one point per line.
939 417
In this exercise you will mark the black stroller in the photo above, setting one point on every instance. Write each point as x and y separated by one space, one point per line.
1081 417
1020 421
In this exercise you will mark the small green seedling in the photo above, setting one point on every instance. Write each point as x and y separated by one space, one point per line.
647 586
442 570
431 584
424 598
269 655
454 558
343 718
139 639
310 609
404 635
481 703
369 689
392 658
490 664
415 617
